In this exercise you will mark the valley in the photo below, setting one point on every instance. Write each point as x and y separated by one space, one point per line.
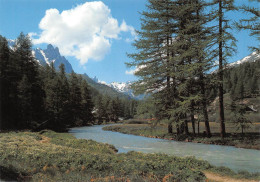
130 91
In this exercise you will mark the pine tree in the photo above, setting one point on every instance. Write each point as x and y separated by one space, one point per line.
100 110
51 101
75 98
28 72
5 87
63 95
239 118
119 108
254 86
111 110
25 103
87 103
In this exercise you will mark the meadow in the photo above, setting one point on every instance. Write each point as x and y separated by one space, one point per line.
50 156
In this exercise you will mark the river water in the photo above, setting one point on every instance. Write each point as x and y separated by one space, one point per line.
234 158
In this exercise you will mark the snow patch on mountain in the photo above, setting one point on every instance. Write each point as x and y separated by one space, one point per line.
250 58
122 87
11 43
253 57
51 54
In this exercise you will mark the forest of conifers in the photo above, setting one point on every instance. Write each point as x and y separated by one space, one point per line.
37 97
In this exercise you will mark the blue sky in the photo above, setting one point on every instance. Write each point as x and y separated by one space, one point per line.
102 56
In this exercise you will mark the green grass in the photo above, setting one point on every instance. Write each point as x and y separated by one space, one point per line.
50 156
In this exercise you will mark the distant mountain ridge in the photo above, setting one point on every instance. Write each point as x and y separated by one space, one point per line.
253 57
104 88
48 55
121 87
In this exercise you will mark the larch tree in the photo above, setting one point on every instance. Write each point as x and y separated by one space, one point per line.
252 23
153 57
191 62
225 47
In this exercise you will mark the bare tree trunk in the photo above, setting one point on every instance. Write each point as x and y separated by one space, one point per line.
220 74
198 127
170 128
204 106
186 129
192 119
177 129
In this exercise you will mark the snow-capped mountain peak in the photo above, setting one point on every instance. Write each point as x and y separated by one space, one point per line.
47 56
120 86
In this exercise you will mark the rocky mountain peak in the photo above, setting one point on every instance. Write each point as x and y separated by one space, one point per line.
52 53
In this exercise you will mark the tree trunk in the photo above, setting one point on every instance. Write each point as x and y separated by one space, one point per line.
186 129
198 127
204 106
192 119
168 77
177 129
202 90
1 116
170 128
220 74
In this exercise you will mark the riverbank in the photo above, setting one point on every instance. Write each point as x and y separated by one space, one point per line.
248 140
51 156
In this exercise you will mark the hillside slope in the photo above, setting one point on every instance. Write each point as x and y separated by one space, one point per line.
253 113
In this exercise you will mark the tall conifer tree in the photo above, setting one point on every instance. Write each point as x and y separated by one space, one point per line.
225 43
153 58
87 104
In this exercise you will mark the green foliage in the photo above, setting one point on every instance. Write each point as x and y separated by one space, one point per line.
239 117
252 23
172 59
36 97
24 92
49 154
146 109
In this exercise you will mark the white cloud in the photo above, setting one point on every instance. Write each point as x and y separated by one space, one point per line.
85 31
130 72
133 71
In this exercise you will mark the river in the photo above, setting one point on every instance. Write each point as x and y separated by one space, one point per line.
234 158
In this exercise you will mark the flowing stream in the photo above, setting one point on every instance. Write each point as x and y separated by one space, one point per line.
234 158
